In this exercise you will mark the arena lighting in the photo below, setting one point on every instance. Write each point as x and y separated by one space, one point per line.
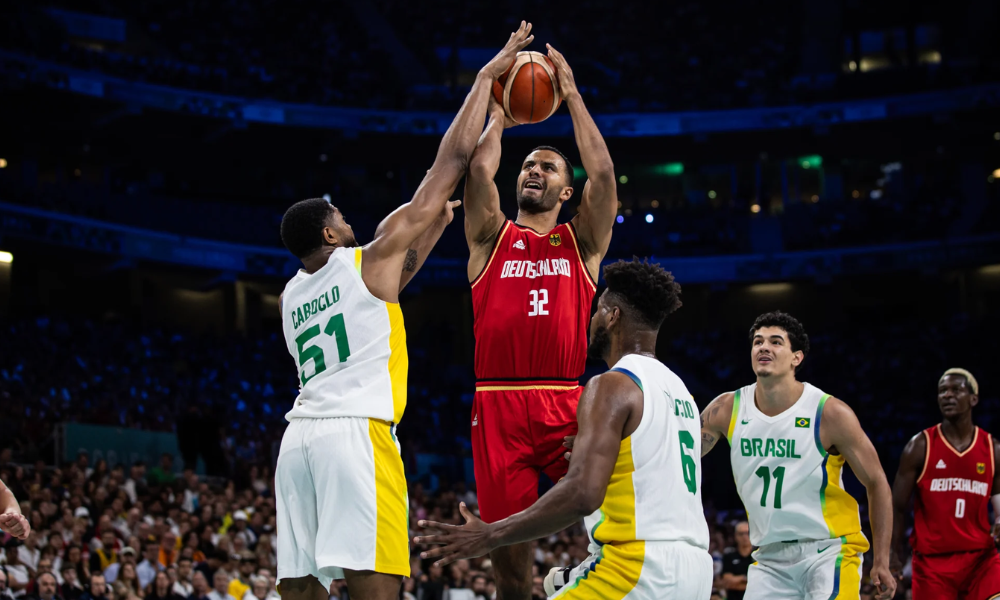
813 161
770 288
712 194
623 179
6 257
649 218
655 204
3 163
996 173
579 173
755 208
620 219
669 169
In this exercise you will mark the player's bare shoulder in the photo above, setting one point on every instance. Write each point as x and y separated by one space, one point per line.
715 420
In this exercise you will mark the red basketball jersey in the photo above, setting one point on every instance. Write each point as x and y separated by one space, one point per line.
953 495
531 306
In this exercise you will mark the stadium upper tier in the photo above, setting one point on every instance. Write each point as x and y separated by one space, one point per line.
394 55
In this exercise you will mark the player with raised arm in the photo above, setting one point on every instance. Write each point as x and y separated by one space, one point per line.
339 482
954 470
533 284
634 477
789 442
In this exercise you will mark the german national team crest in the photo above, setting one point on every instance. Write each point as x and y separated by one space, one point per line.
555 239
980 468
802 422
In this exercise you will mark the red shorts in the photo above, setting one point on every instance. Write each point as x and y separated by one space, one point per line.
957 576
517 435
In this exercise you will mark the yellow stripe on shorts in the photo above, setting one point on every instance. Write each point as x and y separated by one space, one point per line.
613 577
392 544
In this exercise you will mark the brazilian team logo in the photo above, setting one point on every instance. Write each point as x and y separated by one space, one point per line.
555 239
802 422
980 468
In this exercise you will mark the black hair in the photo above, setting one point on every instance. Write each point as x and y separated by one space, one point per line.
647 289
302 226
566 161
798 339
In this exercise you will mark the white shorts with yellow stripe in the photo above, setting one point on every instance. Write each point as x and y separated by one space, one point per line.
808 570
341 499
641 571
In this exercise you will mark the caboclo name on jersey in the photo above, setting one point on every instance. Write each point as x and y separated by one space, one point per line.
315 306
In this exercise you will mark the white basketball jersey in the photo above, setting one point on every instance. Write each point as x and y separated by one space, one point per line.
655 490
349 346
792 488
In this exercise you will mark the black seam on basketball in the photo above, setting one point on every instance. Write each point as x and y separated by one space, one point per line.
531 112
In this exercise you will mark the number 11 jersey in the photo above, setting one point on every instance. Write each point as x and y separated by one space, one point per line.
792 488
349 346
532 305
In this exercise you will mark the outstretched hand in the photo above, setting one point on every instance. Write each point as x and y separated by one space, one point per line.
456 541
567 84
448 212
884 582
15 524
518 41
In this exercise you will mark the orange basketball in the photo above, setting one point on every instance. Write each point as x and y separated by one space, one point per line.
529 90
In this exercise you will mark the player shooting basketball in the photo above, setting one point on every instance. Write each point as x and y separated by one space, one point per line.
532 289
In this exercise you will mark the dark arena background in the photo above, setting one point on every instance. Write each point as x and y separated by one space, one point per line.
835 160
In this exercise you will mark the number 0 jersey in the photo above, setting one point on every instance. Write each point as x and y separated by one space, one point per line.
349 346
951 512
791 486
655 489
532 305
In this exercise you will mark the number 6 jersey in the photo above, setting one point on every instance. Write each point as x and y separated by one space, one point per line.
349 346
532 305
792 488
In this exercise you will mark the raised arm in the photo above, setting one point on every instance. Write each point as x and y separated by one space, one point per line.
418 251
715 421
11 519
840 432
911 463
383 259
483 217
599 202
610 408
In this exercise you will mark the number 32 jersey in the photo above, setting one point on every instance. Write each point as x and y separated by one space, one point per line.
792 488
349 346
532 305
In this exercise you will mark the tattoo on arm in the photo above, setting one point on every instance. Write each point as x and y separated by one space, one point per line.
410 263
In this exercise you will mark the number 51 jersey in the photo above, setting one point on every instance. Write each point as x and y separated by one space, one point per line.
531 305
349 346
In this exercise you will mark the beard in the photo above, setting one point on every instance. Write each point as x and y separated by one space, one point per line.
544 203
600 343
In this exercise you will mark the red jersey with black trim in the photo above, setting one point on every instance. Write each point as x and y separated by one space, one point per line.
532 306
953 496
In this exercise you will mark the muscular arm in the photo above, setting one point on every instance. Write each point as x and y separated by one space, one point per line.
11 519
609 410
715 421
599 201
417 253
483 217
910 465
383 259
840 432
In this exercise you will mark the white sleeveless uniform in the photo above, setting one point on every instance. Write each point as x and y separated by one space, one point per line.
339 484
807 527
649 537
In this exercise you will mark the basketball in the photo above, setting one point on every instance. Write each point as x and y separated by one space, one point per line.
529 90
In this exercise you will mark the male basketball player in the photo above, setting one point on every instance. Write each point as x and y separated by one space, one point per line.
339 483
788 444
954 468
532 290
634 477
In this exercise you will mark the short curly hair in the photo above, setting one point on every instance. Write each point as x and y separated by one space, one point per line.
302 226
647 289
798 339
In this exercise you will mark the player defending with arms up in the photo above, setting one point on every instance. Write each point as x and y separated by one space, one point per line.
788 445
634 477
339 483
954 468
532 290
